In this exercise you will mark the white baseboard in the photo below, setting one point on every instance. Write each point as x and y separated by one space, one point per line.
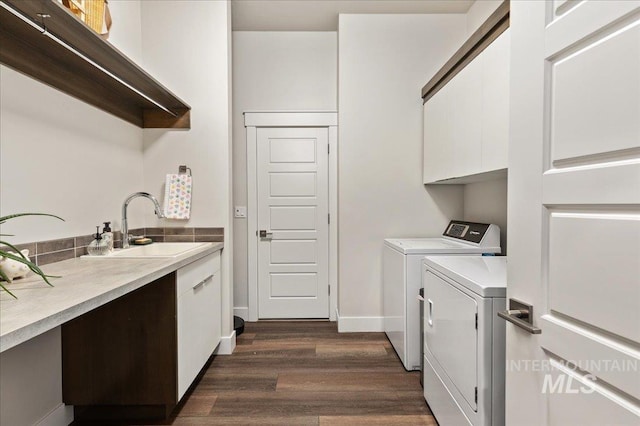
359 324
61 415
242 312
227 344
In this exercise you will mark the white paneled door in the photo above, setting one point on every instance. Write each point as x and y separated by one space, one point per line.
293 215
574 213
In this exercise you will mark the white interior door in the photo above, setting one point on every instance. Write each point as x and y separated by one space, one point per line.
574 216
293 213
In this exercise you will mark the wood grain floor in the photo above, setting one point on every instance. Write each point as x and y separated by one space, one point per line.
306 373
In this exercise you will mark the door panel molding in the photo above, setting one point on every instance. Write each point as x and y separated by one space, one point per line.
290 119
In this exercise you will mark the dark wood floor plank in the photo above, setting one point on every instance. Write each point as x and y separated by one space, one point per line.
345 382
270 404
412 420
217 381
254 365
197 406
248 421
351 349
306 373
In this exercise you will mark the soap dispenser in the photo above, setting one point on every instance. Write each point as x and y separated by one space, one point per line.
98 247
107 235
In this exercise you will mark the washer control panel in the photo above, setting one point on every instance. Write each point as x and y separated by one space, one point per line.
466 231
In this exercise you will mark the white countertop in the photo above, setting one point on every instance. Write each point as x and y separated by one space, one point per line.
84 285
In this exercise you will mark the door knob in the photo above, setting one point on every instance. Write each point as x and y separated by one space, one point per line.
265 235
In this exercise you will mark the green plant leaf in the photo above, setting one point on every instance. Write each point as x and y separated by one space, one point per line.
20 257
11 246
4 277
3 219
30 264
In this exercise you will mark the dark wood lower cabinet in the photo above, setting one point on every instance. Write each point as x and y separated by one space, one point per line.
119 361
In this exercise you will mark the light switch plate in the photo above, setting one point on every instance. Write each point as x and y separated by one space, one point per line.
240 212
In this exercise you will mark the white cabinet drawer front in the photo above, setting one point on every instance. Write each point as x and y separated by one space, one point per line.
212 320
199 319
190 317
195 273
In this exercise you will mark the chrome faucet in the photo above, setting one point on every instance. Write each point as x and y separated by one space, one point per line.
125 228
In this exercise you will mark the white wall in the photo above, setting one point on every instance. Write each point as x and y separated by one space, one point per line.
59 155
62 156
126 30
274 71
384 60
479 11
486 202
187 48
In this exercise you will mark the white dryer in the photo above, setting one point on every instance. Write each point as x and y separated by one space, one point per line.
464 340
402 279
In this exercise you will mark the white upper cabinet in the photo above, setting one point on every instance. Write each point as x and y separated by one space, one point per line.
466 115
466 123
495 103
437 112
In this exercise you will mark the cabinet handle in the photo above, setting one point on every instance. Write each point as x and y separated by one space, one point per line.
430 316
201 283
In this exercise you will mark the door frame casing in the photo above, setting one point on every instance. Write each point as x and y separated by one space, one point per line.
253 120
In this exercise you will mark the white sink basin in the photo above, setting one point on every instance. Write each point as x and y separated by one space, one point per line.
154 250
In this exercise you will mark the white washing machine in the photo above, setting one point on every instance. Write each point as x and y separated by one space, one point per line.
402 279
464 340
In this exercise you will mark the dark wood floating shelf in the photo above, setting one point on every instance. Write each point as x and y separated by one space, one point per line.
490 29
27 49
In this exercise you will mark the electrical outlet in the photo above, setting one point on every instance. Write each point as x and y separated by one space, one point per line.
240 212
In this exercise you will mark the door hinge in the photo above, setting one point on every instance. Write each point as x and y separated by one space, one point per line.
329 218
476 321
329 290
476 394
328 149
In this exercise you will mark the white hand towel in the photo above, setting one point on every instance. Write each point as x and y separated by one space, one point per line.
177 196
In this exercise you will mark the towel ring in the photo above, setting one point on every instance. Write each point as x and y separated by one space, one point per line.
183 170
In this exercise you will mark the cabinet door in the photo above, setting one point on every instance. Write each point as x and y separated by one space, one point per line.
212 306
436 143
466 124
191 316
198 317
495 103
466 121
453 127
